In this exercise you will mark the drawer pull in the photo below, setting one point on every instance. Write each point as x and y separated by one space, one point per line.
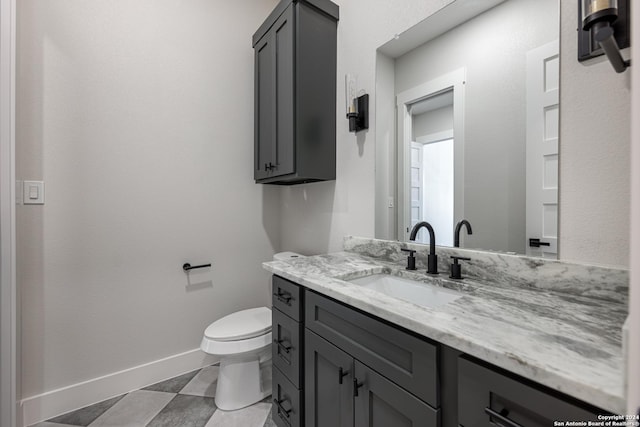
284 347
281 409
341 374
284 297
502 418
356 386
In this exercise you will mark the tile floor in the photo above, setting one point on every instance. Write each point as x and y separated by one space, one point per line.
184 401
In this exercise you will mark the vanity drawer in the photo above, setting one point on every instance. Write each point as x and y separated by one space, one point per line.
487 397
405 359
286 410
287 345
287 297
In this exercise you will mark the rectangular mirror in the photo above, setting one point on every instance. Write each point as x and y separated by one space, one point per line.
467 127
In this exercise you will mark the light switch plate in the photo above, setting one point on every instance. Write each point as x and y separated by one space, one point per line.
33 192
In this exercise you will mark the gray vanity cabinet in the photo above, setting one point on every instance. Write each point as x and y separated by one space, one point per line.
336 366
360 371
295 93
342 392
488 397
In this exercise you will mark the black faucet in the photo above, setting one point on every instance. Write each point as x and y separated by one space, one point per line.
432 259
456 234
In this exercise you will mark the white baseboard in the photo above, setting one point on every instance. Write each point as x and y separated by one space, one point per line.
56 402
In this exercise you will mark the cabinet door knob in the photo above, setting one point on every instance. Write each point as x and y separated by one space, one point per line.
283 297
284 347
281 409
341 374
356 386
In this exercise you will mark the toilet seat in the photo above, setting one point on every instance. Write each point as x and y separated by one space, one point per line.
240 325
240 332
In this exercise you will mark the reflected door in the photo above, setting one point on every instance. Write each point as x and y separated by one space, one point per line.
543 74
417 189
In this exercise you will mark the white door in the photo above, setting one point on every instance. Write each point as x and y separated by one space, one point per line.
438 187
543 74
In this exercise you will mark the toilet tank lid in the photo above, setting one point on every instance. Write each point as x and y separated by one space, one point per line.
240 325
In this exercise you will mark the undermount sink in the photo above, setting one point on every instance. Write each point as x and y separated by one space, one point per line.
420 293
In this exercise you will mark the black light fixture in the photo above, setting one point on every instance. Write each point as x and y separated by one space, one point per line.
604 29
357 106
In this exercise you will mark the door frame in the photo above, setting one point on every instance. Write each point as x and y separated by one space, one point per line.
8 317
454 80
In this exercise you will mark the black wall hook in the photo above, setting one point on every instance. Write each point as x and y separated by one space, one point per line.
186 266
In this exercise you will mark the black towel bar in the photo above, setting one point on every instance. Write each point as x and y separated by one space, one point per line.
186 266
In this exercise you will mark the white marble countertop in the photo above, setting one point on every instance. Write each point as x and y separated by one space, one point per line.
568 342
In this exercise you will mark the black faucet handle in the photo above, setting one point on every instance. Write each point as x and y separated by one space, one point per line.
411 259
456 269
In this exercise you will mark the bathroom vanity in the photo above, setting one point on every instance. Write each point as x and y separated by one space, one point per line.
523 353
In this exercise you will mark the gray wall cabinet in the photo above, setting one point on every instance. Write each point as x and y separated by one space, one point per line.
295 93
341 367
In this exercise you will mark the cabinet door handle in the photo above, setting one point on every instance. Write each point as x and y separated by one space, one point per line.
502 418
281 344
341 374
281 409
284 297
356 386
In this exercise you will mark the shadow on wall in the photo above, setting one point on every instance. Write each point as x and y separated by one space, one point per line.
271 197
361 137
314 200
195 282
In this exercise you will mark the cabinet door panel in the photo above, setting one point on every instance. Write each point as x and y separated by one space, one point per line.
381 403
287 409
265 92
284 147
287 297
287 346
487 398
328 384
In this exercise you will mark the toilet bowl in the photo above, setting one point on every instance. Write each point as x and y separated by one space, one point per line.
242 341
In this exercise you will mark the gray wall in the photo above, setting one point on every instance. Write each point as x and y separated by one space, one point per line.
595 105
494 110
433 121
139 117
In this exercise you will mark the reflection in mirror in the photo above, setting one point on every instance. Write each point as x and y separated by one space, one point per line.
431 165
476 119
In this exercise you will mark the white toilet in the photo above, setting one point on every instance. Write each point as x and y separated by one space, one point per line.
242 340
